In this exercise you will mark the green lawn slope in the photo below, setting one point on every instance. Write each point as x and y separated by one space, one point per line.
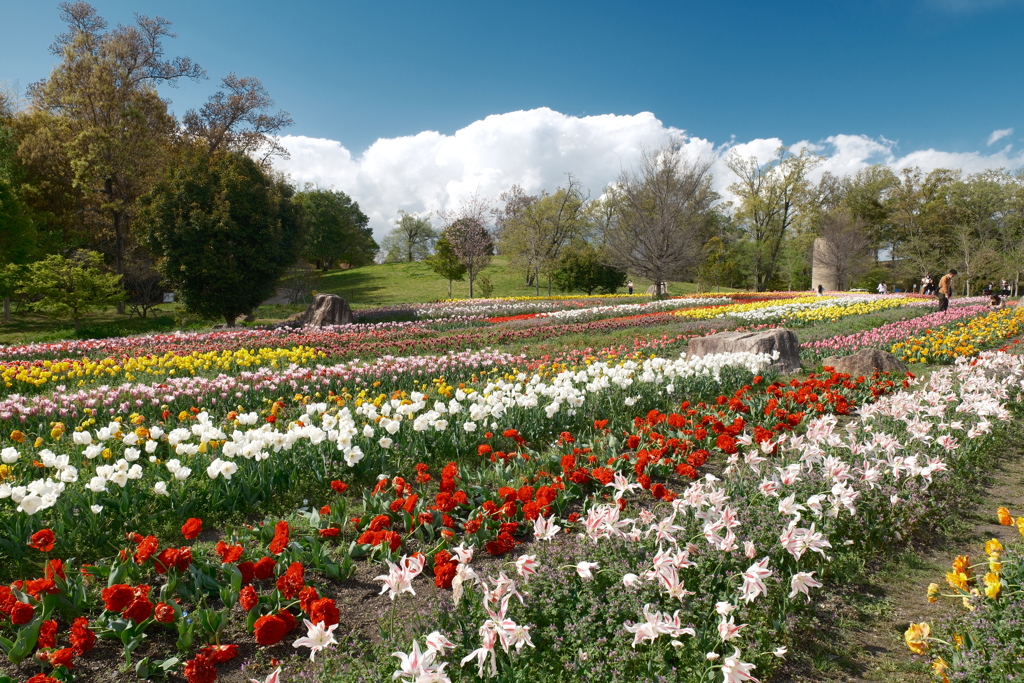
397 283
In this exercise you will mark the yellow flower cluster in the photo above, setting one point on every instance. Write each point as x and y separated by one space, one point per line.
839 310
91 371
715 311
944 345
564 297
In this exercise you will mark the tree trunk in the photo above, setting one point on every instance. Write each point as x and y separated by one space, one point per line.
7 309
449 288
536 279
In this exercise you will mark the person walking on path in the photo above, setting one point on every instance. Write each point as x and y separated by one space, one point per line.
946 289
629 285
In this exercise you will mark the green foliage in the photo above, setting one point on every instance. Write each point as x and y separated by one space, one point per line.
70 287
17 232
485 286
534 230
335 229
411 240
582 268
772 196
224 232
446 263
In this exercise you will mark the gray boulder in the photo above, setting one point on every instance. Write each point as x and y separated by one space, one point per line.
327 309
763 341
865 362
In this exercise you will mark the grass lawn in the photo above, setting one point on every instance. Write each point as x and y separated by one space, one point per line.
26 327
397 283
367 287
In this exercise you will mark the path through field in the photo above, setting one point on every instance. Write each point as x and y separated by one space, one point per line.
866 625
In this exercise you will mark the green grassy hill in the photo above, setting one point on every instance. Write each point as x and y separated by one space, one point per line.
396 283
367 287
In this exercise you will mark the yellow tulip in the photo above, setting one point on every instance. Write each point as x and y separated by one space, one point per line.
992 585
916 637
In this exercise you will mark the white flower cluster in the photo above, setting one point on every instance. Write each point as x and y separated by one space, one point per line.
632 309
779 311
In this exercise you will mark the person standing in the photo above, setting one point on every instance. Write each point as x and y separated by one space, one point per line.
821 290
630 286
882 289
1004 287
946 289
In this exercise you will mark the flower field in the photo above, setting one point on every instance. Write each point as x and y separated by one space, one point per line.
432 500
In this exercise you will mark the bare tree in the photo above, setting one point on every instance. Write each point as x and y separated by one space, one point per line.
771 196
845 246
663 213
299 283
466 231
976 254
520 256
238 119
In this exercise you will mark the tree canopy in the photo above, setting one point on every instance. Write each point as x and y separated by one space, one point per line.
224 229
412 239
334 229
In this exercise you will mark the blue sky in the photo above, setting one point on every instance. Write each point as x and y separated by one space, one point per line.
910 75
923 72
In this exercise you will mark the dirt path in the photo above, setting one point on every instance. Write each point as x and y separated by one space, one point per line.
864 637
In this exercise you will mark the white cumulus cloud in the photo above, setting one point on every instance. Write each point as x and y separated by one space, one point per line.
998 135
431 171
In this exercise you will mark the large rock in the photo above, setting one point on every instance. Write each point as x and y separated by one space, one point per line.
764 341
865 362
327 309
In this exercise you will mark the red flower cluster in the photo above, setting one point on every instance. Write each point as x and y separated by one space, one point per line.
282 536
271 628
132 603
200 670
683 441
291 583
228 553
43 540
192 528
444 569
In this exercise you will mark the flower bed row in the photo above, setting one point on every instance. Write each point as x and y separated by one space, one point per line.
947 344
739 554
889 334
